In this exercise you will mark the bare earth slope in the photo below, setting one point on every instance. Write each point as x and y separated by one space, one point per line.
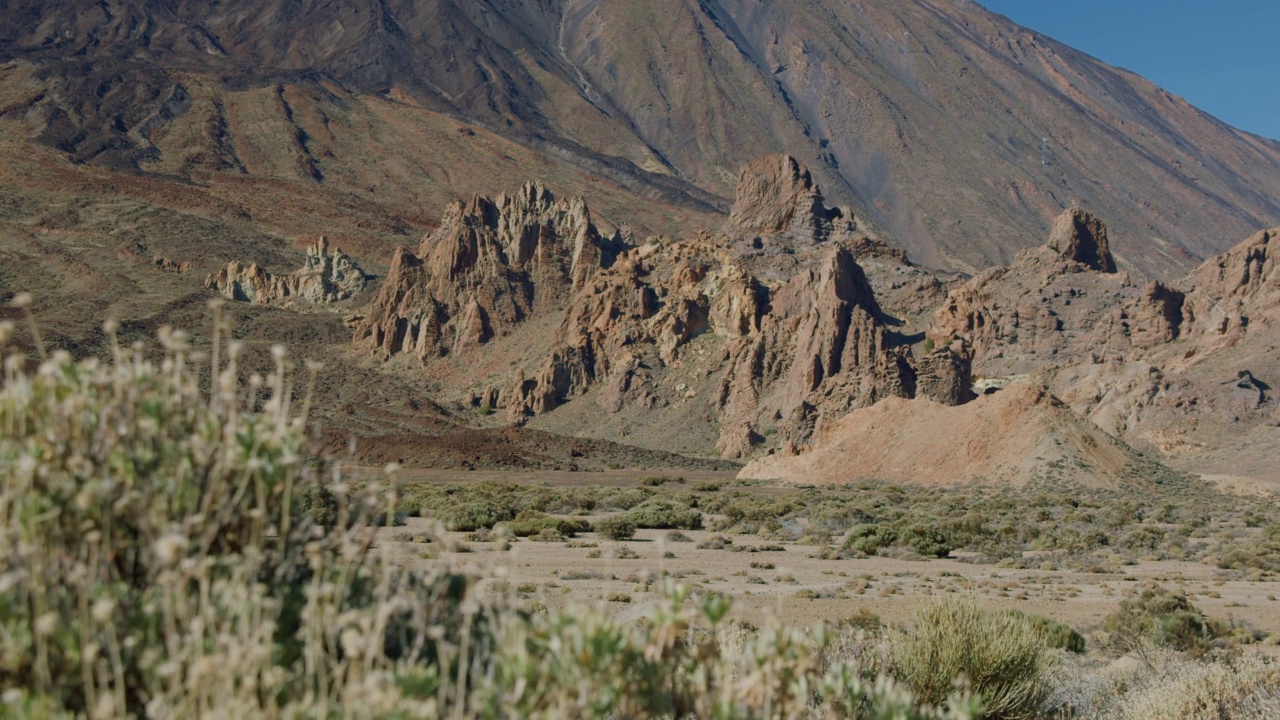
926 115
1014 436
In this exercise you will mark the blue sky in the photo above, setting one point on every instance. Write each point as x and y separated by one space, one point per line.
1221 56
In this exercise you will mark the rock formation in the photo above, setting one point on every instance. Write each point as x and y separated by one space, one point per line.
822 350
786 333
325 277
1225 293
1044 308
776 196
1079 237
492 265
1020 434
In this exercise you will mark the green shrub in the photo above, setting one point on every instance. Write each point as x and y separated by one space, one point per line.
1001 656
865 620
1165 618
659 480
926 540
664 514
870 539
319 504
1057 635
530 522
616 527
467 516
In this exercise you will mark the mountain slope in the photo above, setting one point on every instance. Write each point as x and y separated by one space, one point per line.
927 116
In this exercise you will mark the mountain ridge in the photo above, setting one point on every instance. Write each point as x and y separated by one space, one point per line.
884 101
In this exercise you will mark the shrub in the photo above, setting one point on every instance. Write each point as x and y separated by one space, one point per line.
659 480
473 514
319 504
869 539
616 527
1159 616
1057 635
715 542
154 557
1248 687
663 514
926 540
530 522
865 620
1001 656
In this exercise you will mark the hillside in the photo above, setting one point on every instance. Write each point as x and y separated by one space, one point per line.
886 102
545 235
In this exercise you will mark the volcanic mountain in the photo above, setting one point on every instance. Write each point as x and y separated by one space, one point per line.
950 129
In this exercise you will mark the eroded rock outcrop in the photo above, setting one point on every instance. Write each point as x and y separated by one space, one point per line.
822 350
767 341
1225 293
776 196
1081 238
1018 435
1044 308
492 265
326 277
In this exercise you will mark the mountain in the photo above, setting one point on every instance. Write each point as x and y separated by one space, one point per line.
950 129
578 234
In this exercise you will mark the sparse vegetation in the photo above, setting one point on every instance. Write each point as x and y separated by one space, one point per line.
172 552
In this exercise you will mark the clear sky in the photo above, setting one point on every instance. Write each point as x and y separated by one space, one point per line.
1223 56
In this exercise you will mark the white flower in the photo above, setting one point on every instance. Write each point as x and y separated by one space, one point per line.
103 610
350 640
170 548
46 624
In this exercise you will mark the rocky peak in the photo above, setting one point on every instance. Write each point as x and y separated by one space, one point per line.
822 350
528 230
1243 271
1047 307
1079 237
1228 291
492 264
325 277
776 195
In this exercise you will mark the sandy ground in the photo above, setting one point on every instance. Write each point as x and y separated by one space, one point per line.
790 585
